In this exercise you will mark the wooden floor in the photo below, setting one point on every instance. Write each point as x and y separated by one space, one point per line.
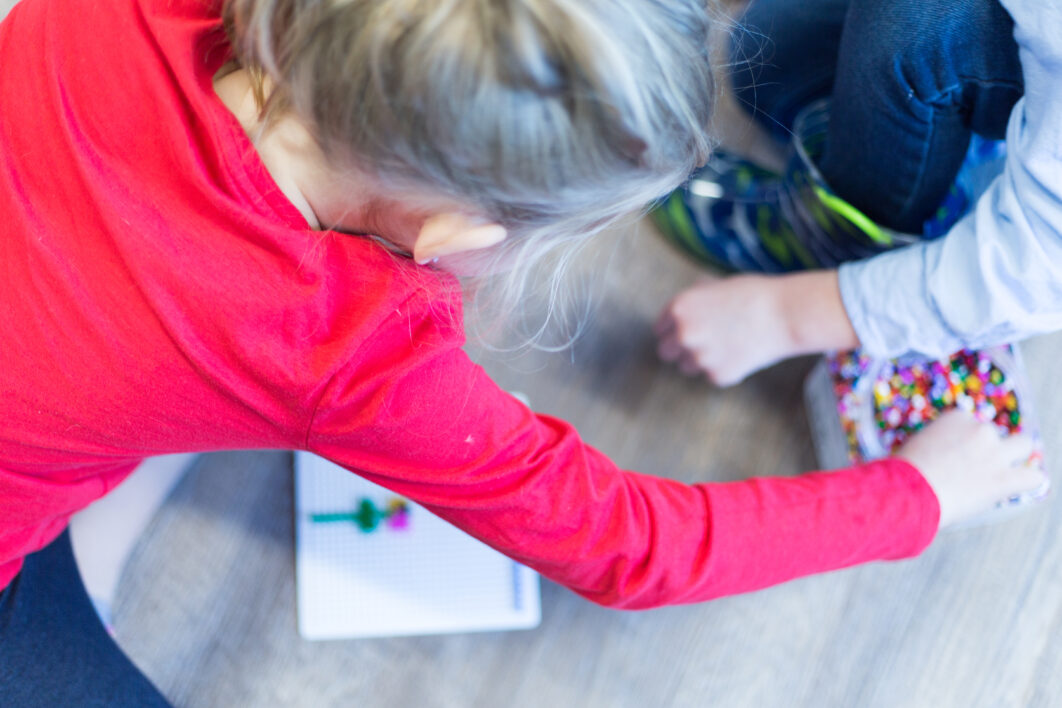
207 606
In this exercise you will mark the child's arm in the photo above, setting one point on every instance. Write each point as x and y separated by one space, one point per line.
996 277
431 426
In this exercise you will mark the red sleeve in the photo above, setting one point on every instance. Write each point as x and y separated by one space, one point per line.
421 419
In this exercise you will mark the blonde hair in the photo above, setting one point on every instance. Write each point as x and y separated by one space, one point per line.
552 117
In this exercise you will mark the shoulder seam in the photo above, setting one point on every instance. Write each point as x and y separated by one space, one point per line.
328 384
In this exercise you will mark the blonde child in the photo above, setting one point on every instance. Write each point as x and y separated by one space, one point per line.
232 225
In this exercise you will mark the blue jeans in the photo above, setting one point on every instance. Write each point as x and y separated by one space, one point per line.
909 79
53 649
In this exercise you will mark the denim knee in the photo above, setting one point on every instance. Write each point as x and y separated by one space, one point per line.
941 54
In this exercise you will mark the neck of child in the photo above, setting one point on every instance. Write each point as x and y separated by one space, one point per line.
283 146
293 159
423 225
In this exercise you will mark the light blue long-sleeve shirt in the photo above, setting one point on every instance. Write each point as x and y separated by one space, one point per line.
997 275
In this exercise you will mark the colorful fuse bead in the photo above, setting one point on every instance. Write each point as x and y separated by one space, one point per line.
906 396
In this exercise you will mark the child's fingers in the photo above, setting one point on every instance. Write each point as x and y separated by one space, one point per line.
665 323
689 365
1023 480
1018 448
1017 476
1025 484
669 348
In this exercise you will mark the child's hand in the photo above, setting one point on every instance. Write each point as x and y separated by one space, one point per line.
970 465
727 329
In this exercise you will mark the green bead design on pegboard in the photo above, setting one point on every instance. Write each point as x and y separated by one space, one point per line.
367 516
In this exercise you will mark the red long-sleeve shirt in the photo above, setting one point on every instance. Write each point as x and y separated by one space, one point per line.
160 295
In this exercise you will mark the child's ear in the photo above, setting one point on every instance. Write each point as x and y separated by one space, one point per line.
453 232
